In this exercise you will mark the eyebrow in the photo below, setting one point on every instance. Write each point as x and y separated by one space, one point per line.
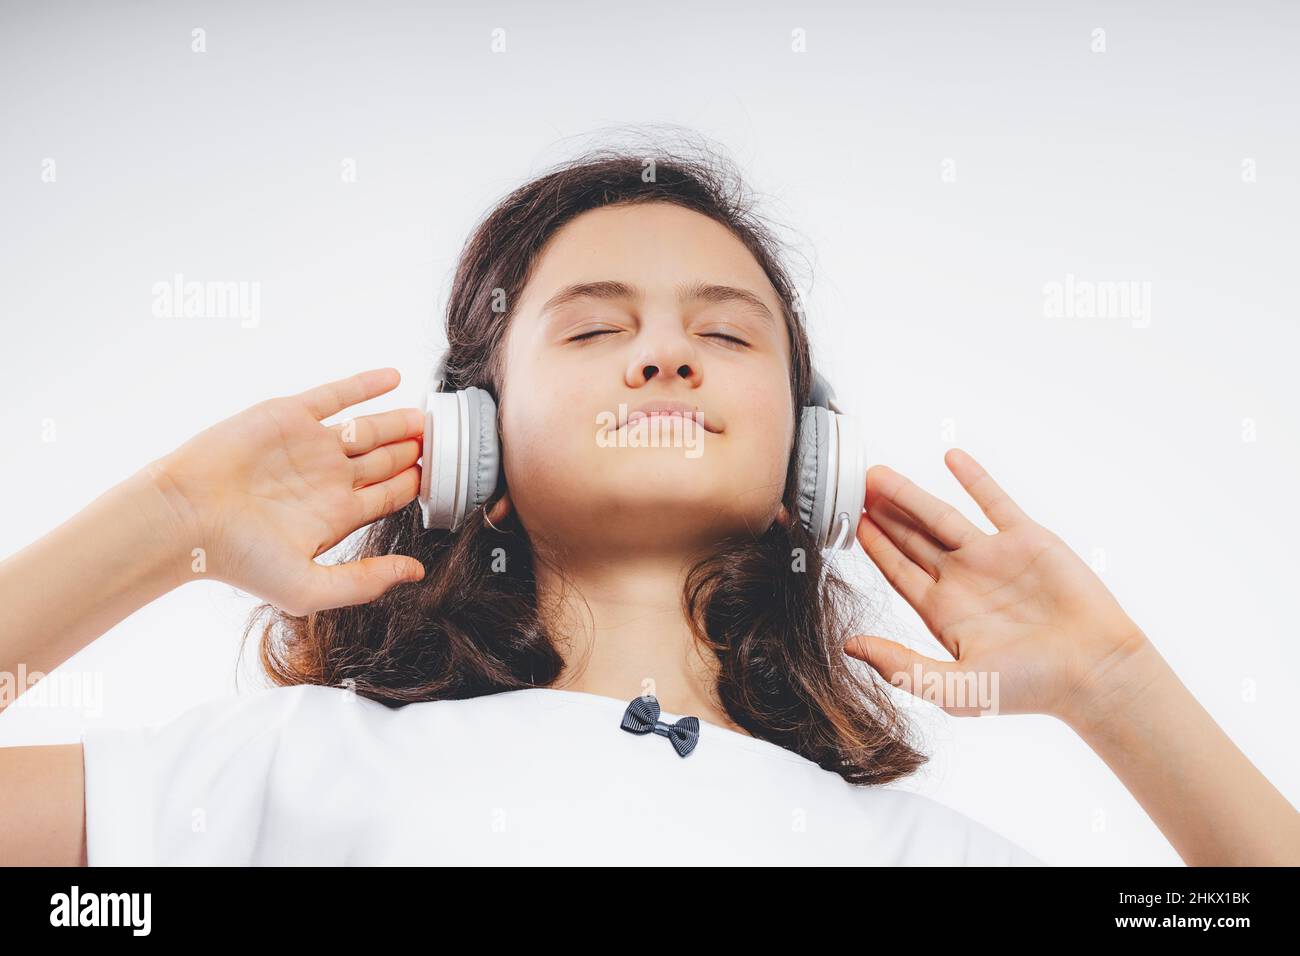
686 292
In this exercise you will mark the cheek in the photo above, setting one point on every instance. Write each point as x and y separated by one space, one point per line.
758 447
548 435
763 423
769 445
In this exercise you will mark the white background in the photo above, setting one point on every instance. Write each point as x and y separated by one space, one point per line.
926 301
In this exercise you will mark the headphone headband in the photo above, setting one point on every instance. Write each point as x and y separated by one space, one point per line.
822 394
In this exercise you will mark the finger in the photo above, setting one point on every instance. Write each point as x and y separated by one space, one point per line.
384 462
332 397
387 496
899 570
915 673
360 435
941 520
359 582
993 501
911 540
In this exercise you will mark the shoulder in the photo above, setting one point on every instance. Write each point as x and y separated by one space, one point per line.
240 717
930 833
247 714
145 784
215 733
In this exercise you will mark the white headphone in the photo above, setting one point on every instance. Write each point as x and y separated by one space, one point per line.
461 463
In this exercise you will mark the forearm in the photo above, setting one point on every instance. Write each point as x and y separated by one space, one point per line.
1207 798
62 591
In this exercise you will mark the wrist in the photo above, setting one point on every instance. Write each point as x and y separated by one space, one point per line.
172 520
1113 689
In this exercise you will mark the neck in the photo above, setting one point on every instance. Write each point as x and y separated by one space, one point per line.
619 622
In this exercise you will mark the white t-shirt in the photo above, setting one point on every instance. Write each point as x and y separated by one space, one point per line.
311 775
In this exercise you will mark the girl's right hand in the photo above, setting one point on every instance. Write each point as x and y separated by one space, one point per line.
266 491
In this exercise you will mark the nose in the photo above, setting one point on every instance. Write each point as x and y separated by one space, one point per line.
676 357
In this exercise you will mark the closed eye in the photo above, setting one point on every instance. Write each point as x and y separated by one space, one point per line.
587 336
729 338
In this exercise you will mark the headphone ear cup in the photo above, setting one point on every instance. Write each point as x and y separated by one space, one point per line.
438 458
813 490
485 452
849 483
461 460
832 483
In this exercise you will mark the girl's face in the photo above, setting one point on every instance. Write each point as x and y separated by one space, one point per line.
634 304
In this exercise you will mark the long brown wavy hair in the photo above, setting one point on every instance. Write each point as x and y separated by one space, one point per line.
777 627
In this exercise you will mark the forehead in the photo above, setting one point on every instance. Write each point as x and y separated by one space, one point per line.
656 246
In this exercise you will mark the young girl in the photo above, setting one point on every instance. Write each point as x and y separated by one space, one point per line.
628 653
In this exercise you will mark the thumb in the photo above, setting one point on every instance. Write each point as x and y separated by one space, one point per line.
360 582
915 673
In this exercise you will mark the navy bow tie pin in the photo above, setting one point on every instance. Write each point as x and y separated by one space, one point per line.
642 717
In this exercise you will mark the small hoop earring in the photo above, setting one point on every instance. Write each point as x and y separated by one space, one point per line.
489 520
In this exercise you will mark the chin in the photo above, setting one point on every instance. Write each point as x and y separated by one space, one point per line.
662 473
667 468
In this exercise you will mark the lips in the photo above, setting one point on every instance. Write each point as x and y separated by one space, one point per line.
677 409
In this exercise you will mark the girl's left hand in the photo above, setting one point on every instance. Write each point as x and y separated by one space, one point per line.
1018 604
